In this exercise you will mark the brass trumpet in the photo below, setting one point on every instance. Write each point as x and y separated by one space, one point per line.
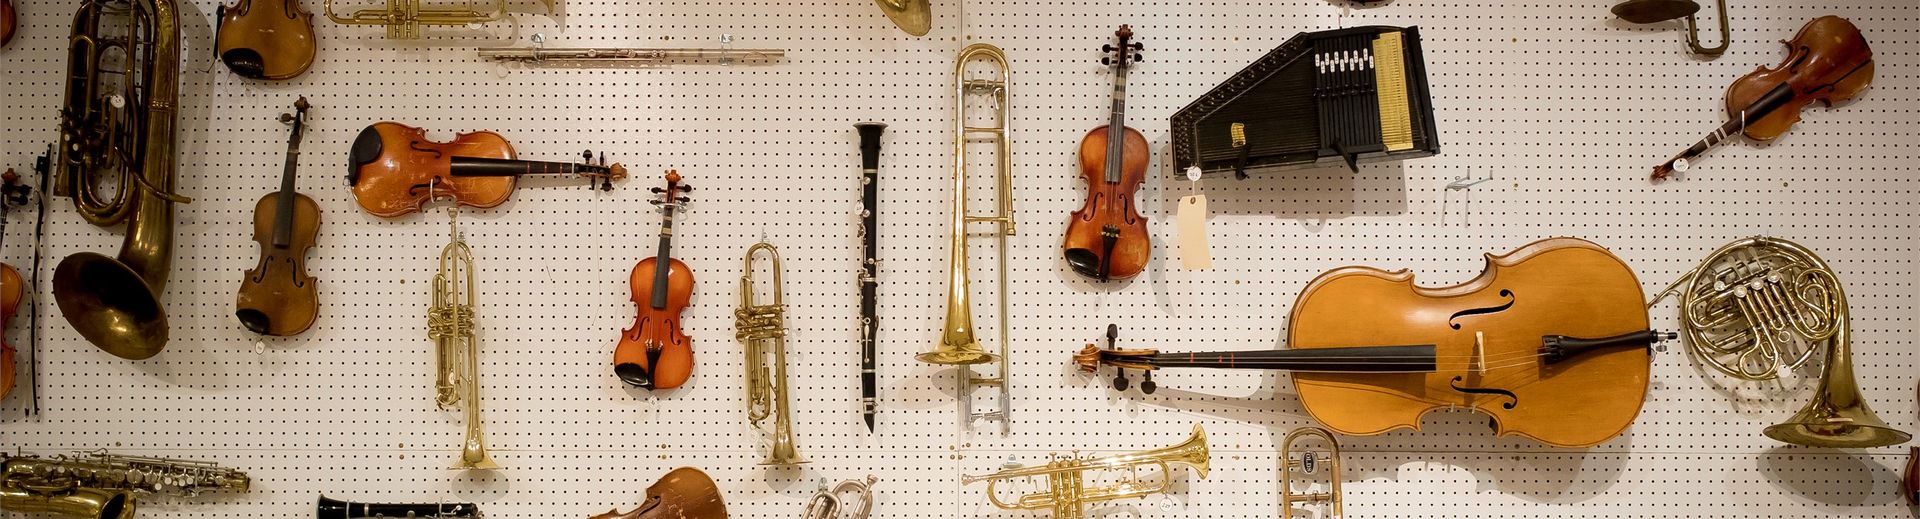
1308 463
1067 494
957 343
756 326
457 351
827 503
117 126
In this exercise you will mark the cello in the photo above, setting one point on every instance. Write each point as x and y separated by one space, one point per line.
655 353
272 39
684 493
1827 61
1551 341
277 297
395 170
1107 238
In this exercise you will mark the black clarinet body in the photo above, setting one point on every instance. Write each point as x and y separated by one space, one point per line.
869 264
337 509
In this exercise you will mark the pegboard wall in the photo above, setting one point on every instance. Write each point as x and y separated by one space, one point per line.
1562 106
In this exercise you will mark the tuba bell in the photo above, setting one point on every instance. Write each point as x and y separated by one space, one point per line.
1067 493
117 124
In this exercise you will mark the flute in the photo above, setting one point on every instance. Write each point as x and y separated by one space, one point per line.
869 265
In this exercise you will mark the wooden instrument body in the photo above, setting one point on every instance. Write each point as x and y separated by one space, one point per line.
278 288
1828 60
1111 204
1560 286
265 39
13 289
393 165
684 493
7 22
659 326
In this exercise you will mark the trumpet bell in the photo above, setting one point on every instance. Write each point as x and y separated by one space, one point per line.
110 305
915 17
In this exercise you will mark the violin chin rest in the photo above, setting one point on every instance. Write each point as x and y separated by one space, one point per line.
256 321
1084 262
246 63
633 374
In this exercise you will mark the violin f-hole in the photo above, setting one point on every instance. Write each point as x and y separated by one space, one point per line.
1483 310
1513 400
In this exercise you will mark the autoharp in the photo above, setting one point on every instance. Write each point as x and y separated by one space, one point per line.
1346 97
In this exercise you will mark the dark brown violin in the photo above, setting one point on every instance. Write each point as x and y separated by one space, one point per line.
265 39
277 297
655 353
684 493
6 22
1107 238
1827 61
1551 341
394 169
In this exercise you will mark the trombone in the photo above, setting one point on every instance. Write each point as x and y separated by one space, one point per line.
450 324
756 326
1067 493
957 343
1309 463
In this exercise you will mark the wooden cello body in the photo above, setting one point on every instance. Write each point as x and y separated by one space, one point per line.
1488 336
265 39
684 493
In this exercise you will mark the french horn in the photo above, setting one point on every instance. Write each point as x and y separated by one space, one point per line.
117 125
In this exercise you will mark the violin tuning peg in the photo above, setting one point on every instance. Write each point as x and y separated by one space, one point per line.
1138 58
657 190
286 117
1120 382
654 202
1106 48
684 199
686 188
1147 386
1139 46
1113 332
1106 61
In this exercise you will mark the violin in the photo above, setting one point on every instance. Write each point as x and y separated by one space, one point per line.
655 353
1107 238
272 39
684 493
1827 61
1551 341
6 22
394 169
13 288
277 297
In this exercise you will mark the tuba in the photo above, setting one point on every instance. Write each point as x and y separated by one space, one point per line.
957 343
1763 305
117 124
827 504
756 326
457 352
1309 463
1068 494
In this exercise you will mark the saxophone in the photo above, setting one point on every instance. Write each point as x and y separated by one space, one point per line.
100 485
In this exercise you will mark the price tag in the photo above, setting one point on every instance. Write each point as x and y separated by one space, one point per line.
1192 223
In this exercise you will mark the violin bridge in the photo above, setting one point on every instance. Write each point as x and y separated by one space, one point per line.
1479 361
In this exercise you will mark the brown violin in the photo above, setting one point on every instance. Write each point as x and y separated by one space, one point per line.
6 22
684 493
1550 340
277 297
655 353
1827 61
1107 238
394 169
265 39
13 288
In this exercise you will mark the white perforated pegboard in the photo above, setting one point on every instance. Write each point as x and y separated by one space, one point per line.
1564 107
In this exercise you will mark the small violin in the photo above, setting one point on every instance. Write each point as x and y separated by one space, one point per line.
684 493
1107 238
277 297
1550 340
394 169
265 39
655 353
1827 61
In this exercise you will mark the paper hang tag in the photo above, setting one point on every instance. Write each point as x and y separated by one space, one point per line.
1192 222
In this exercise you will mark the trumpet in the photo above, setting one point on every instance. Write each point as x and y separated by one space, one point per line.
1308 463
1067 494
827 504
957 343
756 326
102 485
457 351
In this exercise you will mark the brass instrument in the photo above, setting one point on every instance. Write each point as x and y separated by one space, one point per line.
538 54
913 16
101 485
117 125
755 326
1763 305
403 18
827 503
1308 463
957 343
1067 494
1656 11
450 325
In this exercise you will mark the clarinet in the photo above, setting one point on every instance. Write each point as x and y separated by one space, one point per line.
336 509
869 265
